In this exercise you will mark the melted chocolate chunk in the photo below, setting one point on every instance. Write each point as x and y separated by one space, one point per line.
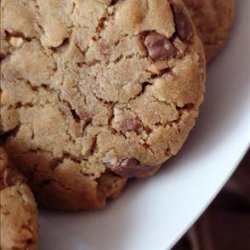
159 47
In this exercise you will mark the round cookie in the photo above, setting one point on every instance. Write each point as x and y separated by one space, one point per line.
18 212
96 92
213 20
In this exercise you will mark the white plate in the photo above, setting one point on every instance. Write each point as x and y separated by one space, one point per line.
152 214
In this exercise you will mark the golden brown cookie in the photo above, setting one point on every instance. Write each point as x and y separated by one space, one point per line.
96 92
213 20
18 211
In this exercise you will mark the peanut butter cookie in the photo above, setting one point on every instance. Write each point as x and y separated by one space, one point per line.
213 20
18 212
95 92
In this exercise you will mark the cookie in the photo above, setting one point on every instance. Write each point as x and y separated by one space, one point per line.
213 20
96 92
18 212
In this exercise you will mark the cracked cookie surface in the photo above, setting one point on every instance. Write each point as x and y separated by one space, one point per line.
96 92
213 20
18 212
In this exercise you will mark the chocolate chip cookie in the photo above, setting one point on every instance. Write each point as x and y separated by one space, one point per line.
18 213
95 92
213 20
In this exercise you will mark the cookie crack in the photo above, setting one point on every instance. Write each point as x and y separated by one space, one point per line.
103 101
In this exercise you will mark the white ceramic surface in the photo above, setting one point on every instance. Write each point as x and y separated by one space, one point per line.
153 214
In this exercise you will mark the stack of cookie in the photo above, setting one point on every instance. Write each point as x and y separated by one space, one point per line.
95 92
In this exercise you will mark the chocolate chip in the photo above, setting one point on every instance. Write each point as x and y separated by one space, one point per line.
131 125
133 168
11 177
183 25
159 47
